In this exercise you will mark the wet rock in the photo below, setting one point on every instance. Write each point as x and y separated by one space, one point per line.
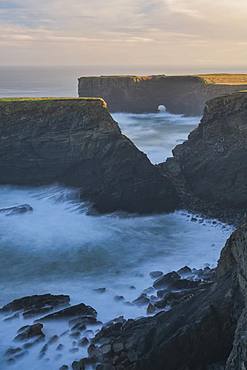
36 303
16 210
83 342
75 334
64 367
151 309
12 351
12 317
93 351
100 290
78 327
73 311
78 365
141 300
184 271
166 280
173 298
156 274
84 320
53 339
30 331
173 280
34 342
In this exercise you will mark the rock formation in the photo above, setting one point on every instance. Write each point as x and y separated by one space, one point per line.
212 163
76 142
180 94
204 332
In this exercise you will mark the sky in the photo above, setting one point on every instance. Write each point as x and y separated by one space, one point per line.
204 33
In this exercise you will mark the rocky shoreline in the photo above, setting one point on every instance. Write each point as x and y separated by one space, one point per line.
197 317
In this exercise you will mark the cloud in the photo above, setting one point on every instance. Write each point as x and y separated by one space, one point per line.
167 27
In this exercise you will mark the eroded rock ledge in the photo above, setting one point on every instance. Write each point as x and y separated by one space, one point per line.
180 94
76 142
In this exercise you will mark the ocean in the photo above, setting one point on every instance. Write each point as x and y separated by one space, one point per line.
60 249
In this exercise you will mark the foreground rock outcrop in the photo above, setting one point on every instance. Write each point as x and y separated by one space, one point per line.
212 164
76 142
204 332
180 94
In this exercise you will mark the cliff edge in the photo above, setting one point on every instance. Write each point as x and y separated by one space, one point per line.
141 94
212 162
76 142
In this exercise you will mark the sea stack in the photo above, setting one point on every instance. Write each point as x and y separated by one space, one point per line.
179 94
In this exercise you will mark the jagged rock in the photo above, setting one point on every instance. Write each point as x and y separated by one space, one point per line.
141 300
76 142
69 312
83 342
156 274
198 333
16 210
213 161
173 280
184 270
36 304
30 331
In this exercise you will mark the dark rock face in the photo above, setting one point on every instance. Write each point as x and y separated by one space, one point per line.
204 332
76 142
30 331
73 311
36 304
140 94
212 163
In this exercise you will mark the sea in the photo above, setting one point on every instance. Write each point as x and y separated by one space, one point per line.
61 249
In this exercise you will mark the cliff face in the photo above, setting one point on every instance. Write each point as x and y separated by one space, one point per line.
76 142
180 94
213 159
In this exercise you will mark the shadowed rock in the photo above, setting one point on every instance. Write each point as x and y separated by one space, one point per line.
36 304
76 142
73 311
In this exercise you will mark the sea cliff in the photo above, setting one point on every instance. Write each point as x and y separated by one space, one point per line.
211 164
76 142
140 94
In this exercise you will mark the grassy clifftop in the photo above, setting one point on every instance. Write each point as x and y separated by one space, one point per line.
225 79
52 99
